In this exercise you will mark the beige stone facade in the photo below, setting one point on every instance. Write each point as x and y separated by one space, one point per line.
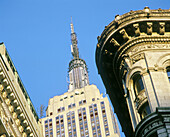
81 113
152 58
133 59
17 114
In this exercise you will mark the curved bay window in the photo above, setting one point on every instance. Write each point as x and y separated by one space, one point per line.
168 72
138 84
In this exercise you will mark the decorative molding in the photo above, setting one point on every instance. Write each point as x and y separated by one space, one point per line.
142 47
149 28
137 58
125 35
136 28
161 28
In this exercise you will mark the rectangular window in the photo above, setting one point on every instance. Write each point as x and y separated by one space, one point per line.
94 120
71 123
69 106
48 128
83 121
104 118
60 126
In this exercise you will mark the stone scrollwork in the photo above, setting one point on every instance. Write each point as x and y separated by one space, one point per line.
147 47
137 58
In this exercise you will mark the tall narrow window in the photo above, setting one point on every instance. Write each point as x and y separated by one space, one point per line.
168 72
71 124
48 128
138 84
141 99
60 126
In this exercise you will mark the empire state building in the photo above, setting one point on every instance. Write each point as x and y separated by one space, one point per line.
82 111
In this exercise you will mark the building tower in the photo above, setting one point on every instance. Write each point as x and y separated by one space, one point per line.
133 59
18 117
78 74
81 111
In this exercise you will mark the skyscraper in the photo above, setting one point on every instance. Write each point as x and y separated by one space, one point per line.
82 111
133 59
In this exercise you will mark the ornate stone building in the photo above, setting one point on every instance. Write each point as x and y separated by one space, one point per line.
81 111
18 117
133 59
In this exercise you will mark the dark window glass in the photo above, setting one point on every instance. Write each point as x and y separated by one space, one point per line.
168 73
138 84
71 96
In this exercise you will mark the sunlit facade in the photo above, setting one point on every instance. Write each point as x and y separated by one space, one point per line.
81 113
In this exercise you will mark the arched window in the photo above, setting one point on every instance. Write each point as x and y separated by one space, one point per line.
138 84
168 72
142 104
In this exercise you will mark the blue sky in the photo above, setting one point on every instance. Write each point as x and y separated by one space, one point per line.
36 34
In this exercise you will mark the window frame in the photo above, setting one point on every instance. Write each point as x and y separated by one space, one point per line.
137 81
168 72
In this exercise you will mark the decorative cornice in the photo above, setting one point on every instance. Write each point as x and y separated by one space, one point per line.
149 42
135 15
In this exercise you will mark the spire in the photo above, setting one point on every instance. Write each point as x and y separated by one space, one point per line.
74 48
78 74
72 27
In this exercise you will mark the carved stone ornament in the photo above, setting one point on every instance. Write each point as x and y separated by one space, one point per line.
137 58
149 28
142 47
125 35
162 28
148 41
136 28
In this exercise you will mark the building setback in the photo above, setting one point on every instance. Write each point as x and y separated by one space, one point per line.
82 111
133 59
18 117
